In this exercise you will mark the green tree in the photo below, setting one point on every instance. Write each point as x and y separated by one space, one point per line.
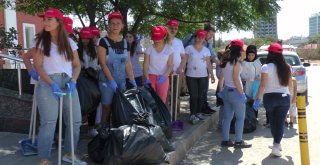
224 14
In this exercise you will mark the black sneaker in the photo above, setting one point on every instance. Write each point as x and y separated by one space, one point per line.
242 144
209 109
228 143
286 124
290 124
206 112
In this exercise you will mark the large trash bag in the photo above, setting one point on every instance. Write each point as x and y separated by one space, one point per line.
97 146
250 121
133 145
89 93
161 114
122 111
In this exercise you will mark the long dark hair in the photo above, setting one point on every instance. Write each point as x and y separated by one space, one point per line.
234 52
63 44
133 45
91 47
283 69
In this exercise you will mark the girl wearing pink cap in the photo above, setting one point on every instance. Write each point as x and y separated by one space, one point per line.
114 59
57 63
198 69
158 62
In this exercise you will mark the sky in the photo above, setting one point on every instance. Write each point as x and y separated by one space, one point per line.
293 20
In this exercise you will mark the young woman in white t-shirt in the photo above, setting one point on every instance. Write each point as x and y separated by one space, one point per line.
158 62
232 93
276 80
57 63
197 70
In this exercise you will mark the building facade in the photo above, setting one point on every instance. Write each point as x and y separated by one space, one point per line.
265 28
314 25
26 25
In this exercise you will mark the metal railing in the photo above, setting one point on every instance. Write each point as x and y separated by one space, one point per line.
19 61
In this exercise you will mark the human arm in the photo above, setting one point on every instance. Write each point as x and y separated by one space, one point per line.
37 63
183 62
101 53
146 64
129 70
294 95
210 70
169 65
236 71
76 66
26 58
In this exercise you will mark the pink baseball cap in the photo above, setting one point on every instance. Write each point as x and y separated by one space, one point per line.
201 33
115 14
95 31
275 48
173 22
68 22
158 33
52 12
86 33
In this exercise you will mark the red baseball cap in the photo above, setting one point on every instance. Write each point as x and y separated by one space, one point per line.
173 22
68 22
158 33
236 42
201 33
52 12
275 48
115 14
95 31
86 33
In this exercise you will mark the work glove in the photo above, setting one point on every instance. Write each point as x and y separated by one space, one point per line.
256 104
33 74
161 79
243 98
71 86
56 90
219 94
133 83
146 82
113 85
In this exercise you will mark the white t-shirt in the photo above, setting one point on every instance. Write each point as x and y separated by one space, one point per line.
197 64
158 63
272 84
228 75
178 49
56 63
88 62
250 70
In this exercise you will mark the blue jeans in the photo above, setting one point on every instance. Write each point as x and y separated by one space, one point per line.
277 106
232 106
48 109
197 88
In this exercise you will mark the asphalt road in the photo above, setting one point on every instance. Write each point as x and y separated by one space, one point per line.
208 150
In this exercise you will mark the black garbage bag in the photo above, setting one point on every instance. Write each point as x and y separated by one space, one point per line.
97 146
123 112
161 114
133 145
89 93
250 121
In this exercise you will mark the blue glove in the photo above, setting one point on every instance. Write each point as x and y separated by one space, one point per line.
256 104
113 85
133 83
71 86
161 79
55 90
146 82
33 74
219 94
243 98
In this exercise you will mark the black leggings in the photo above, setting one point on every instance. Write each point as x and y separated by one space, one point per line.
197 87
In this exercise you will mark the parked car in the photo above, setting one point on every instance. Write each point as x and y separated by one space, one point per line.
298 69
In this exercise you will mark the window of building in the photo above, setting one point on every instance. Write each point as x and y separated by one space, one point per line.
29 31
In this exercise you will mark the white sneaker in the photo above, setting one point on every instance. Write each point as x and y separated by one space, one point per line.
68 158
92 132
200 116
280 148
276 151
216 108
193 119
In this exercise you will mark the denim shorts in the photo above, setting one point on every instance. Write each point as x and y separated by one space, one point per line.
106 91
